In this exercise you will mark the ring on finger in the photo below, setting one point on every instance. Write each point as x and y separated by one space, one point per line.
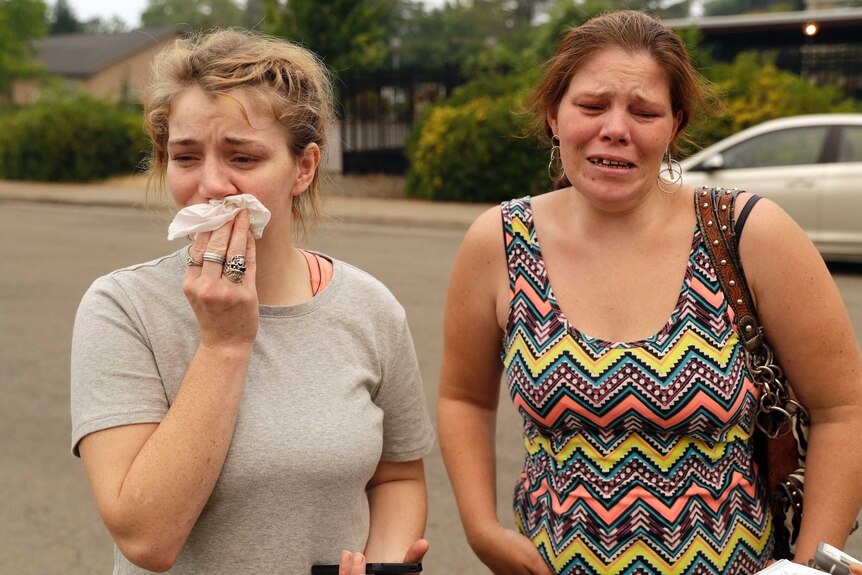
235 269
192 263
213 257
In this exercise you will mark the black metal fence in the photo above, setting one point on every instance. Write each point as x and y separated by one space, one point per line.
379 110
824 65
835 63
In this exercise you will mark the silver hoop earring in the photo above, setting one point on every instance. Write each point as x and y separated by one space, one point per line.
555 172
669 178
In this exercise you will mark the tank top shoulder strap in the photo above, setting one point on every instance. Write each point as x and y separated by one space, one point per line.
517 220
320 271
518 235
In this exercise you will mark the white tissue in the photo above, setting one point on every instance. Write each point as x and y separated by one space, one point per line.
206 217
785 567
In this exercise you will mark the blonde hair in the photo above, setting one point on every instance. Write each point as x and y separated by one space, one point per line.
288 78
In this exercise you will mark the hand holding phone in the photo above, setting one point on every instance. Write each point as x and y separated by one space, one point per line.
412 562
832 560
373 568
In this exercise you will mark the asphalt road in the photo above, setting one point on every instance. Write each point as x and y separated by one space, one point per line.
52 252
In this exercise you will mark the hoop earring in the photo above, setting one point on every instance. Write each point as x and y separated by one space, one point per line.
669 178
555 172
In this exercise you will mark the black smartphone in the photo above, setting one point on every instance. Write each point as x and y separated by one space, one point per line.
373 568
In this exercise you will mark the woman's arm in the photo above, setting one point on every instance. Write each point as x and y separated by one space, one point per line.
398 506
808 327
469 390
151 481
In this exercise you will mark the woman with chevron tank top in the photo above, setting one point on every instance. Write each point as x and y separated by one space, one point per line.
598 305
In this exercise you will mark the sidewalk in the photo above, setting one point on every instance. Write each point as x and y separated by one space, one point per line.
359 199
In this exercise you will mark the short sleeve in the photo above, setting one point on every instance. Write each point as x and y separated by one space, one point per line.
407 430
114 377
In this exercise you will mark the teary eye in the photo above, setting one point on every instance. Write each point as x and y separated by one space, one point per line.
591 107
244 160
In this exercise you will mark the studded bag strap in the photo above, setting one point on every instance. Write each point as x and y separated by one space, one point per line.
714 208
780 455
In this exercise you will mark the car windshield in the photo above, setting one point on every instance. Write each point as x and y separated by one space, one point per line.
796 146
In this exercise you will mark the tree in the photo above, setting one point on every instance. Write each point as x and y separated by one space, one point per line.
461 31
347 34
254 17
63 20
20 22
197 14
111 25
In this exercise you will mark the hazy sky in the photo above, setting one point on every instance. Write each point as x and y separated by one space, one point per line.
130 10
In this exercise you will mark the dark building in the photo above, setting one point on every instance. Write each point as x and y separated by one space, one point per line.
823 46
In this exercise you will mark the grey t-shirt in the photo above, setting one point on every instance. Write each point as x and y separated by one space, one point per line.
333 387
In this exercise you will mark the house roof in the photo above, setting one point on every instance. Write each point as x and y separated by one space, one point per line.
83 55
838 25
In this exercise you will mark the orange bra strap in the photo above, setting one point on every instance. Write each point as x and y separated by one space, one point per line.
320 270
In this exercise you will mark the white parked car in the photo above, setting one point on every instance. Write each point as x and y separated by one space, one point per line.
809 165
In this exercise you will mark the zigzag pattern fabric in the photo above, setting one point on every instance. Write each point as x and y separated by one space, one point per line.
638 455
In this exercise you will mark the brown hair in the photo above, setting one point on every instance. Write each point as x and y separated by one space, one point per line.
288 78
632 31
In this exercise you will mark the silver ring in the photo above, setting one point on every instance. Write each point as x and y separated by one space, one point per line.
234 270
213 257
192 263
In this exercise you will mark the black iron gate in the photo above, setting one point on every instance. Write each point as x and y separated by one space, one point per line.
379 110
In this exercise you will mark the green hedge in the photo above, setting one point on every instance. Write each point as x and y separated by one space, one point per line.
71 139
475 151
754 90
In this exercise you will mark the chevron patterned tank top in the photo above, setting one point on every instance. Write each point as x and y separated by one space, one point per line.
638 454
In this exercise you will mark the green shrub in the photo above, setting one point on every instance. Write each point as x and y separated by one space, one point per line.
475 146
475 150
754 90
71 139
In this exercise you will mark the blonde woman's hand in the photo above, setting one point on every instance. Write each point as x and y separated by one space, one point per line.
417 551
354 563
226 310
351 563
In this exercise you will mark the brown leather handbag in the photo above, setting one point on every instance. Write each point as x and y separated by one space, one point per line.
781 423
